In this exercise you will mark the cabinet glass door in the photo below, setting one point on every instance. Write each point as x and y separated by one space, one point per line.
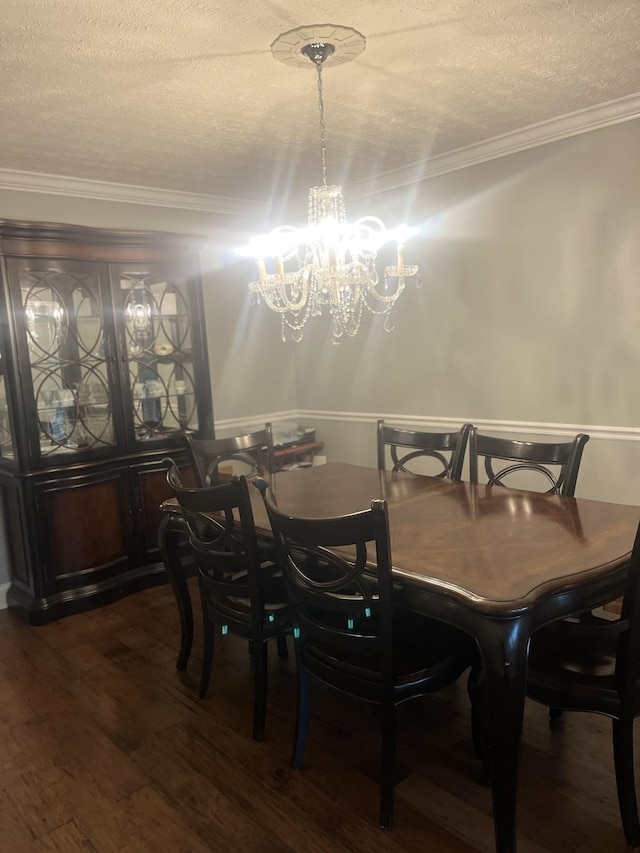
157 340
63 316
6 441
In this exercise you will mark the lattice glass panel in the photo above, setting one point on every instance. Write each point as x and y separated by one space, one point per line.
158 342
6 441
63 315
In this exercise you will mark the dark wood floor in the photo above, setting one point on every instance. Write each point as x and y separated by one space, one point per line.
105 747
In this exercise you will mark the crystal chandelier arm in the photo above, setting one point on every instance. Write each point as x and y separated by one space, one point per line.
288 292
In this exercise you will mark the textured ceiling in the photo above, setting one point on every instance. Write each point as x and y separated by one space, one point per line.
186 95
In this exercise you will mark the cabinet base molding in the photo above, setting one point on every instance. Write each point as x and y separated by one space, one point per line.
42 611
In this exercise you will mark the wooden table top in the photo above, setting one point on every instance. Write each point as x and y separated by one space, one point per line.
498 549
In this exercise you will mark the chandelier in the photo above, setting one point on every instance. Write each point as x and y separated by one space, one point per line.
330 263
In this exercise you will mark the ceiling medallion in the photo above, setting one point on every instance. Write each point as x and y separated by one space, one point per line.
329 263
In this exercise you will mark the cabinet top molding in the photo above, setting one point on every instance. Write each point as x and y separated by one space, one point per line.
63 240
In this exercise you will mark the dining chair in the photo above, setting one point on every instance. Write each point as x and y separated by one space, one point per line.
241 592
250 453
595 666
444 450
347 631
521 463
525 464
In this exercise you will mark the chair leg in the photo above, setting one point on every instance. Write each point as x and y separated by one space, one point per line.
388 764
283 650
169 534
555 716
625 778
303 713
261 669
207 654
476 691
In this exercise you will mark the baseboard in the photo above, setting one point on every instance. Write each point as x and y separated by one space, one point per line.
4 589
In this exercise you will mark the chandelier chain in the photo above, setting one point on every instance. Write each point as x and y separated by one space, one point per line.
323 142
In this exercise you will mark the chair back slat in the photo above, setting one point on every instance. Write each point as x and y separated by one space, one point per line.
341 606
253 453
441 452
555 464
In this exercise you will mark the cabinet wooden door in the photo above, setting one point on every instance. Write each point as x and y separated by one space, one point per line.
86 528
70 540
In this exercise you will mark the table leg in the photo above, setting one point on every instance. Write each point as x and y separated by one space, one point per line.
169 531
504 648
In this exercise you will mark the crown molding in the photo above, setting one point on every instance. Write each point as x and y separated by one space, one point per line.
38 182
571 124
562 127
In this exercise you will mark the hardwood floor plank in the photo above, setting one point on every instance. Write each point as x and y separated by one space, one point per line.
237 768
105 748
471 824
72 745
65 839
215 818
161 826
16 835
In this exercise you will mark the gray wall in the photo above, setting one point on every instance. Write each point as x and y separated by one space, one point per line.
252 371
528 312
530 300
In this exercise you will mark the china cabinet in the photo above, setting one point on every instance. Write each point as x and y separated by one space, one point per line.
103 367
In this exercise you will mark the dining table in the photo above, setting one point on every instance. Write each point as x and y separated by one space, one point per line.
496 562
